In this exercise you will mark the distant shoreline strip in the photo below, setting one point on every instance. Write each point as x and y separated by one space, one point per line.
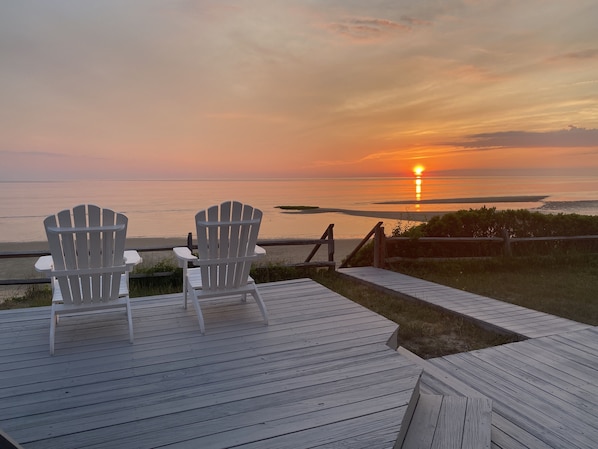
483 199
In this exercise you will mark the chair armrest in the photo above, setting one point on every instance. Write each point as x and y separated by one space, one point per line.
44 264
184 255
259 251
132 258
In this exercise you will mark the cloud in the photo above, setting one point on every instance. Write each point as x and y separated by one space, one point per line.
589 54
572 137
370 29
11 153
473 73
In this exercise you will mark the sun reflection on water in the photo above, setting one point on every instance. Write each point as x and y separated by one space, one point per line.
417 171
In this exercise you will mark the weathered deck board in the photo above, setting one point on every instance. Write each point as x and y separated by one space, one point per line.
457 422
486 311
544 391
319 375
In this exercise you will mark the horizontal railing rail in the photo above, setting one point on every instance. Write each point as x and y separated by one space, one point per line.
327 239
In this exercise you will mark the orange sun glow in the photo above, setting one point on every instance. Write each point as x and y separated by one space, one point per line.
418 170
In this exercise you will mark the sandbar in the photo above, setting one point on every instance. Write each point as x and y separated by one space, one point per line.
390 215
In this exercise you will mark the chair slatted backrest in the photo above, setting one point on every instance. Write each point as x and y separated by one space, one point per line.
226 240
87 246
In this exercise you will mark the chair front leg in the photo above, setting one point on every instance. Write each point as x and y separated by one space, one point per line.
53 322
185 289
202 326
130 320
260 302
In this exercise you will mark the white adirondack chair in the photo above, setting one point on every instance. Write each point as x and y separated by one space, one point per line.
88 264
226 242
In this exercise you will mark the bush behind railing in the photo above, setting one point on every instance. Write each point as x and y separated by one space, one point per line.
484 233
488 222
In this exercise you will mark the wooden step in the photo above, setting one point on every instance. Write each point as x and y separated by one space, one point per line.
449 422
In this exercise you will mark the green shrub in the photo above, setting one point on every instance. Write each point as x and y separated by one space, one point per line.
161 278
364 257
488 222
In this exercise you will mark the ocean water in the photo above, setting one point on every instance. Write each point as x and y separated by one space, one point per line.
167 208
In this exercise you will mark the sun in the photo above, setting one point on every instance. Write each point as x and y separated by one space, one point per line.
418 170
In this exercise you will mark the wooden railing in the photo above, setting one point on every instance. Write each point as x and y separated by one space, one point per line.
327 239
381 242
375 230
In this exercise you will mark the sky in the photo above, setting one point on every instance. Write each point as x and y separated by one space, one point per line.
182 89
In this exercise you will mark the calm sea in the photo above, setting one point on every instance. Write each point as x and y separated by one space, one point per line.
167 208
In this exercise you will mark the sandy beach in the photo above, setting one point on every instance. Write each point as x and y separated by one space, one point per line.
22 268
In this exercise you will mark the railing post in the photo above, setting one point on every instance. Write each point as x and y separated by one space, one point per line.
330 232
327 234
190 241
507 243
379 247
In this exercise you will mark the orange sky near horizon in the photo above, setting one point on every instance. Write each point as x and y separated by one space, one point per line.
143 89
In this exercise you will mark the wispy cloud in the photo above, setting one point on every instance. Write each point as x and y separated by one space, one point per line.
368 29
475 73
14 153
581 55
347 161
36 155
573 137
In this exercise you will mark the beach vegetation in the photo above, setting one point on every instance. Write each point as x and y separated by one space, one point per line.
489 222
161 278
36 295
273 272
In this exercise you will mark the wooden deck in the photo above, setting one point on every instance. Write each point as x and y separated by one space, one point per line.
320 375
544 391
486 311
